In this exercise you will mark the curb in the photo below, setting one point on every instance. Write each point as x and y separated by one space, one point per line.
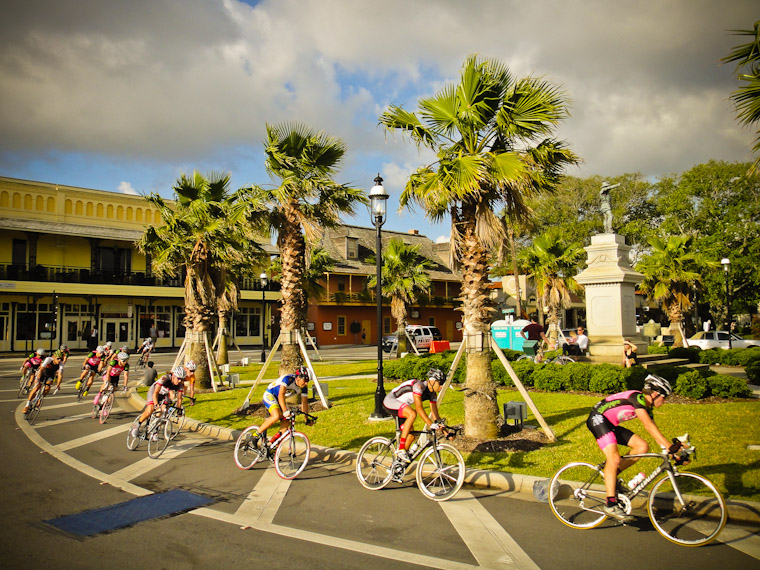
530 487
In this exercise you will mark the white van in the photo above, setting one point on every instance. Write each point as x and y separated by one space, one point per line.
423 335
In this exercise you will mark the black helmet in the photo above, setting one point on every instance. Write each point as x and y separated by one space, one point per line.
437 375
658 384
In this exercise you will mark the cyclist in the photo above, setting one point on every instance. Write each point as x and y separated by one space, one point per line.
604 422
107 350
169 386
190 367
63 352
48 370
145 349
114 368
405 401
274 400
32 363
92 365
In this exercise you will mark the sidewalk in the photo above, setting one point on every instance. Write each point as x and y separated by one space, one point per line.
529 487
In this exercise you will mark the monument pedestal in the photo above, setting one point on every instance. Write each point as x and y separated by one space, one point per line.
610 285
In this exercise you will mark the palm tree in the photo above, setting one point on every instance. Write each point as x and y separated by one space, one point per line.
747 97
306 200
553 263
490 133
672 274
404 276
206 232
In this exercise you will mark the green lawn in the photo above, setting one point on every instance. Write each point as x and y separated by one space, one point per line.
721 432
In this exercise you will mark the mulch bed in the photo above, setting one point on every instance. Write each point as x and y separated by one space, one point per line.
515 440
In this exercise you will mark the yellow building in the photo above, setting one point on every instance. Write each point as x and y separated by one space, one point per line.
68 264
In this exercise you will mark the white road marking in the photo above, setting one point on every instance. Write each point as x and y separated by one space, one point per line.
262 503
489 543
743 539
92 438
175 449
65 420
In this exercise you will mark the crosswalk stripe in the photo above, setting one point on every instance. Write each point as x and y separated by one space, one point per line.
262 503
175 449
92 438
488 542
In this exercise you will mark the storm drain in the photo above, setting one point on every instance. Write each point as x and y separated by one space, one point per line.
129 513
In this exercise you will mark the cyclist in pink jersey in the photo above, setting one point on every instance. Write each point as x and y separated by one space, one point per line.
604 422
93 363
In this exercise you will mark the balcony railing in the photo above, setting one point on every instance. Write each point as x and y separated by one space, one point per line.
341 297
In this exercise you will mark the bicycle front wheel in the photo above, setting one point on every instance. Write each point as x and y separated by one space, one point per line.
440 472
159 437
249 450
577 495
178 420
524 357
292 455
134 440
105 409
693 519
561 360
34 411
373 464
23 384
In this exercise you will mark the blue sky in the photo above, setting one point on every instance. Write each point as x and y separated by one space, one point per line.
125 96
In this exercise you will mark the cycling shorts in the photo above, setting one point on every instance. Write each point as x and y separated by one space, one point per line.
113 379
605 432
90 367
271 401
394 406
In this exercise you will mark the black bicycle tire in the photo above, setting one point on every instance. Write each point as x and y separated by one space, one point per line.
564 489
290 454
375 479
449 477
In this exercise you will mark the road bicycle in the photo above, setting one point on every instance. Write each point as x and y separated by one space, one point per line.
102 409
25 383
36 404
157 431
289 452
143 360
538 358
684 507
176 417
440 467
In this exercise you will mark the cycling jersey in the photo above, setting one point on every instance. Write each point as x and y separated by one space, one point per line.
33 361
92 362
272 393
606 416
403 395
164 385
49 369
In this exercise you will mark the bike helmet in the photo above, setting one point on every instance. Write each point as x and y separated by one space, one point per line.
302 372
148 339
658 384
124 348
40 352
122 356
190 365
63 348
436 375
98 348
179 372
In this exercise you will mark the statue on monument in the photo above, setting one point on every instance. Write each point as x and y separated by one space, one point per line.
606 207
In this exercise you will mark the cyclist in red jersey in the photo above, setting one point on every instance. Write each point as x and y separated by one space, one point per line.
604 422
93 364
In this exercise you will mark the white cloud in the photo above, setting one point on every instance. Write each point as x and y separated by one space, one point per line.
126 188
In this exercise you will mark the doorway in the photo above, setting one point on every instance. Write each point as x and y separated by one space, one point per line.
76 332
117 331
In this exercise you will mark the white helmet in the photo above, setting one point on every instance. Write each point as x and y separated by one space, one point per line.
122 356
190 365
99 348
109 344
40 352
179 372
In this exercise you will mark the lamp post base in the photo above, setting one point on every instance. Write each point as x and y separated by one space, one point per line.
379 413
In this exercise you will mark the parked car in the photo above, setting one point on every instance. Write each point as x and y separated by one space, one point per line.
719 339
422 335
389 342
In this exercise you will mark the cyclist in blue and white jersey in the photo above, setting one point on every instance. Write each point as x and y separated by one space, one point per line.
274 400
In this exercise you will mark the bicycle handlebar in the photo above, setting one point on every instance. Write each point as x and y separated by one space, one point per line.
297 411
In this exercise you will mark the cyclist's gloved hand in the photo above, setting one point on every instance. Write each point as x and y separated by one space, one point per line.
435 426
287 414
310 421
675 447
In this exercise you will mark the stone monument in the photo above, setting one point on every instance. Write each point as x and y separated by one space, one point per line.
610 285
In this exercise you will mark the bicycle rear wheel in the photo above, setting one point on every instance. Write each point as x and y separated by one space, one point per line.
23 383
374 462
440 472
561 360
248 452
577 495
159 437
697 519
178 420
105 409
134 440
292 455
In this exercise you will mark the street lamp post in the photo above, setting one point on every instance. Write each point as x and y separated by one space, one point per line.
263 279
378 199
726 263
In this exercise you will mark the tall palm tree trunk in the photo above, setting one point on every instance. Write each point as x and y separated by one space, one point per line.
481 411
293 247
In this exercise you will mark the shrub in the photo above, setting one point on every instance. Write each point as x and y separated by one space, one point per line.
654 349
690 353
577 376
606 378
753 372
670 373
748 355
711 356
692 385
633 377
500 375
548 377
524 370
727 386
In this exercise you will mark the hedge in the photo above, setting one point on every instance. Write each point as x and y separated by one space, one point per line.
581 377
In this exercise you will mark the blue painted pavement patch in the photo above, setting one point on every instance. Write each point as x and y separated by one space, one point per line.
129 513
